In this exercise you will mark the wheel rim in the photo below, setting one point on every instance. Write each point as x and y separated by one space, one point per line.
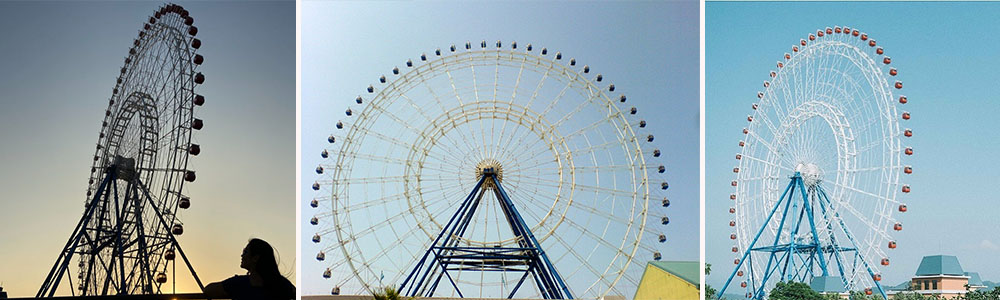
147 130
451 112
828 109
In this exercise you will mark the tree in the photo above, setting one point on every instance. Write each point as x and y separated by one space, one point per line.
993 294
909 296
709 291
387 293
793 291
859 295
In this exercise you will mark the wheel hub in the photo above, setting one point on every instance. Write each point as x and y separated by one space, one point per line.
811 173
489 166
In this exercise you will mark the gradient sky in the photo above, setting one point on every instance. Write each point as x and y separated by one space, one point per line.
58 64
649 49
946 54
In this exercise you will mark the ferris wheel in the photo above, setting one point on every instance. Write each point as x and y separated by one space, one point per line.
125 243
558 162
820 178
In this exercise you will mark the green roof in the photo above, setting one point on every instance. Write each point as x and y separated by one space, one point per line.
974 279
688 270
903 286
828 284
940 265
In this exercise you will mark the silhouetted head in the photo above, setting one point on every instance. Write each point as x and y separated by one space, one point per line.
258 257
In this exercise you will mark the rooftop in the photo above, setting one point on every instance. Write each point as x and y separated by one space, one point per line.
828 284
687 270
903 286
940 265
974 279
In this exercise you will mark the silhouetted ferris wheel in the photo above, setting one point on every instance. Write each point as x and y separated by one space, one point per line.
126 240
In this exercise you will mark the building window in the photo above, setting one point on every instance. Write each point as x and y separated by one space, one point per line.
927 284
935 284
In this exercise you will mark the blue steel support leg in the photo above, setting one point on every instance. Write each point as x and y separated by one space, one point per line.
768 271
436 282
753 280
855 244
465 215
543 272
820 197
742 260
539 285
547 271
463 221
465 218
469 213
417 268
785 276
758 292
461 227
539 266
548 286
521 281
812 226
746 252
545 258
444 270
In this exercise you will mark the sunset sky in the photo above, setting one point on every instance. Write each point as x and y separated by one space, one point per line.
58 65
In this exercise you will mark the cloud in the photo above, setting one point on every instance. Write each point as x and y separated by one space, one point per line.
986 244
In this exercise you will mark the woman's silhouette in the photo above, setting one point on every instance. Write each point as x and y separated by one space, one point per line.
263 281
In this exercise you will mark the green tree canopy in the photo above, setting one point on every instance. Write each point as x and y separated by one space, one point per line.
793 291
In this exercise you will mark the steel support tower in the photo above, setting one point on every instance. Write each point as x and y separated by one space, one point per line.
127 241
799 256
445 254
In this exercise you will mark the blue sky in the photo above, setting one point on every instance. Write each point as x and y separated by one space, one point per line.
649 49
58 65
946 56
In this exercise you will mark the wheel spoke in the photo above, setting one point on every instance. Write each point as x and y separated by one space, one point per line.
393 191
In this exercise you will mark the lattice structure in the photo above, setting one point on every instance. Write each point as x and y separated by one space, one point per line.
447 254
126 241
829 119
573 154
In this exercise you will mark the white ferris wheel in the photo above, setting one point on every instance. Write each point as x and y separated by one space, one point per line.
581 197
831 119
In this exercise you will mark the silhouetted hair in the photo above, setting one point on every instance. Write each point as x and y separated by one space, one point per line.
267 265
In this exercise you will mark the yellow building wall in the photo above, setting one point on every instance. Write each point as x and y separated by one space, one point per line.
657 284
